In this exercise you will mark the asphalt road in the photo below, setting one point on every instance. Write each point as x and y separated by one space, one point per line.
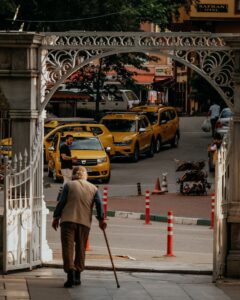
135 244
125 175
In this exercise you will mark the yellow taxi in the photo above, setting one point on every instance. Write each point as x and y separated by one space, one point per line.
165 124
50 125
6 144
6 147
132 133
100 130
89 152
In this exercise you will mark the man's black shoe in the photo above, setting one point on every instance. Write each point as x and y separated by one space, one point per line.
77 280
70 279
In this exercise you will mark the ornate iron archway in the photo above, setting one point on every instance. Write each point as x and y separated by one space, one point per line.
206 53
35 63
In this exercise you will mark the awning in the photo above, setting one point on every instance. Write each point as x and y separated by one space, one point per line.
162 78
152 79
162 83
144 78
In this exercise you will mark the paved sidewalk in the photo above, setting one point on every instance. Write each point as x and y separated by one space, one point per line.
151 276
101 285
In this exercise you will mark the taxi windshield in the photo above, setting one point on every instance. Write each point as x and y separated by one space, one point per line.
120 125
84 143
47 130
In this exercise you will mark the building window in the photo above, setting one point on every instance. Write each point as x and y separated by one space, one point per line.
237 6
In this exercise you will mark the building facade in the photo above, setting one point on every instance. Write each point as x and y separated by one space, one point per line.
221 16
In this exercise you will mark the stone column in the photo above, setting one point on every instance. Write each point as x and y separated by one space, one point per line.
233 208
20 79
233 211
19 82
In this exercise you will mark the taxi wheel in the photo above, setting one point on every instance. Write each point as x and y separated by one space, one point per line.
151 149
135 157
175 140
158 144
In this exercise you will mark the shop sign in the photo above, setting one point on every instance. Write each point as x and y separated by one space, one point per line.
215 8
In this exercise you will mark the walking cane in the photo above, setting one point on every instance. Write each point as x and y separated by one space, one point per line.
114 270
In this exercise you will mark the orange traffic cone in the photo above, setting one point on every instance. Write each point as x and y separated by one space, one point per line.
157 189
88 248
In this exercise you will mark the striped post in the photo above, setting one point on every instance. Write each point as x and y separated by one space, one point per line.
105 196
147 207
170 235
139 189
212 210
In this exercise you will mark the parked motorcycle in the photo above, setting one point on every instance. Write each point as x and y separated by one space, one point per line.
194 180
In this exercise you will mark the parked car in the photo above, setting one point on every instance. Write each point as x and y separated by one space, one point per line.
121 100
132 133
50 125
223 122
165 124
100 130
89 151
6 147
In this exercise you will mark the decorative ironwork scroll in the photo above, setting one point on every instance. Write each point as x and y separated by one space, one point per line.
206 53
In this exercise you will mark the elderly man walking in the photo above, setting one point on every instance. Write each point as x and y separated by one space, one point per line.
74 212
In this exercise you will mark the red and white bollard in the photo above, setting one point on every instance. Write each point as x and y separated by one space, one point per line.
212 210
147 207
105 198
170 235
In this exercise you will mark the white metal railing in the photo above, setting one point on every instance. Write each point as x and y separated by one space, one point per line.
221 199
23 197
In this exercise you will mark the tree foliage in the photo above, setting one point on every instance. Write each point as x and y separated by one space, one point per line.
113 15
93 15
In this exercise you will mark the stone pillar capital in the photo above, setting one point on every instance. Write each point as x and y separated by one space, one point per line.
13 39
23 114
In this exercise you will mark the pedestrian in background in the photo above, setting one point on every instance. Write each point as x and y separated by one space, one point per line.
66 159
74 210
214 111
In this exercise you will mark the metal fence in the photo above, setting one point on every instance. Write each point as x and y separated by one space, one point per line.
23 208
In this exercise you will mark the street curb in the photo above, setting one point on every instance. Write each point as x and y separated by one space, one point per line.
156 218
135 270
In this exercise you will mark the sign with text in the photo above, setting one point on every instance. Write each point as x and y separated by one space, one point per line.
219 8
